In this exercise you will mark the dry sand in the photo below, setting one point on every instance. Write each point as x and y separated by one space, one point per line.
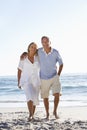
70 118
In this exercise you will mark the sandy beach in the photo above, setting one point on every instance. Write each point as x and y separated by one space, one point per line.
70 118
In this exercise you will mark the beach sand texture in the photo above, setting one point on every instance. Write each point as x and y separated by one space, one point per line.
70 118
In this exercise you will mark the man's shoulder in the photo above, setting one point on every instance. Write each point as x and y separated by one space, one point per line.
55 50
40 49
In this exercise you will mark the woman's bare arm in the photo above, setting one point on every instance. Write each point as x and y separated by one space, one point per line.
19 76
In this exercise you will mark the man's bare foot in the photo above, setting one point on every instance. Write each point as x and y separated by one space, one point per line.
55 114
30 118
47 117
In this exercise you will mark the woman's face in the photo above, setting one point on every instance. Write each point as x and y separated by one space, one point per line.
33 48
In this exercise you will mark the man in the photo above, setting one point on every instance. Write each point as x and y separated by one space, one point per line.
49 75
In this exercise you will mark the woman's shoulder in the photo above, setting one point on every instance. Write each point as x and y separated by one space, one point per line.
24 61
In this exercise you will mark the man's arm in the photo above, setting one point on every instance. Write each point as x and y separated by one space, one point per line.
23 55
60 69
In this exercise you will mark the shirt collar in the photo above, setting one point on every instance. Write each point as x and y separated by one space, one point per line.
49 52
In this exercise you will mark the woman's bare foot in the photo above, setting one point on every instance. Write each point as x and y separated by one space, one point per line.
47 117
60 94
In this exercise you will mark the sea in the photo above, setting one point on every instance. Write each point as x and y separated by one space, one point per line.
74 91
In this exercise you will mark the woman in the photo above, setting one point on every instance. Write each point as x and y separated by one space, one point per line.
28 78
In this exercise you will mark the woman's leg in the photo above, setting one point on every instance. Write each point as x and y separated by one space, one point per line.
30 108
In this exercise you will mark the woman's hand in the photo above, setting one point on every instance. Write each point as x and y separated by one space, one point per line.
19 86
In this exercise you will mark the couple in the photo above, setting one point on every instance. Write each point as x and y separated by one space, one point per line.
37 70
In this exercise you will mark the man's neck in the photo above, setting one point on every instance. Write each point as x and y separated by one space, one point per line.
47 50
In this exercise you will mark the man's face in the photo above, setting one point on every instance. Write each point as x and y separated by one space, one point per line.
45 43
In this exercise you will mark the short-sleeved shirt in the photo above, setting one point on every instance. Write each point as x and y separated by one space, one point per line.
48 68
29 71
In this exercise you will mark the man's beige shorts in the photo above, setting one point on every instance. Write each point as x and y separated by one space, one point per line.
50 84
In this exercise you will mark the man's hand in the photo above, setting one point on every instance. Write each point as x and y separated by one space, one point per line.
60 69
23 55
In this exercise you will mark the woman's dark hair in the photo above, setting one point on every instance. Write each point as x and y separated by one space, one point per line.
30 45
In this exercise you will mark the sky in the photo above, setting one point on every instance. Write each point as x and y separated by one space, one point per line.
24 21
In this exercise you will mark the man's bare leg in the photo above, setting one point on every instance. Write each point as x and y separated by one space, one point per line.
56 102
34 107
46 104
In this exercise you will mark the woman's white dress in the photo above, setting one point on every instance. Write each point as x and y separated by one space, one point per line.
30 80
